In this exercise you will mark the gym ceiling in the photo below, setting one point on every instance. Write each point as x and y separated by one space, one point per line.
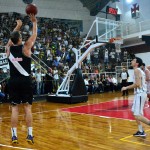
95 6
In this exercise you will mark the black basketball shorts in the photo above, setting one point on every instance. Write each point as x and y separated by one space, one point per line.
20 90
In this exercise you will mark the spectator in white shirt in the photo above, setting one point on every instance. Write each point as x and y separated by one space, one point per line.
38 78
124 77
56 78
86 81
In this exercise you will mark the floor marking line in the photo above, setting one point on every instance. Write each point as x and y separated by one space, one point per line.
132 135
39 112
15 147
95 115
137 143
126 139
98 103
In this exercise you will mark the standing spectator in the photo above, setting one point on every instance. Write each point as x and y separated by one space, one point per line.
2 95
49 82
112 56
96 56
106 57
114 80
91 85
125 55
124 79
86 81
56 78
43 82
38 78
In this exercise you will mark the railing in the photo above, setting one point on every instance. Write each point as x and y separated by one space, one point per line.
41 63
4 79
118 69
129 28
96 74
144 25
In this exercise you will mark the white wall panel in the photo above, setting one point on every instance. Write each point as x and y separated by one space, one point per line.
144 57
144 11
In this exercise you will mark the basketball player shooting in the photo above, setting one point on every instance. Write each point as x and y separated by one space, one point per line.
20 85
140 95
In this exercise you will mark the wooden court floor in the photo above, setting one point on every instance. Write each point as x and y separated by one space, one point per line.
55 129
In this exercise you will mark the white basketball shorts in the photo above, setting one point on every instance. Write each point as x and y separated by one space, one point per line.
138 103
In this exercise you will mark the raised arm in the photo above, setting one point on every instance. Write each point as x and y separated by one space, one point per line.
17 28
30 42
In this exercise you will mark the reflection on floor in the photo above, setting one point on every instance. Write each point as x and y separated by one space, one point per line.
114 109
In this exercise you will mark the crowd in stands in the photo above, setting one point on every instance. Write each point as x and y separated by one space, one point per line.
54 45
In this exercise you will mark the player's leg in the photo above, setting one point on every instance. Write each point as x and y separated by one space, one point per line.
14 123
28 118
137 109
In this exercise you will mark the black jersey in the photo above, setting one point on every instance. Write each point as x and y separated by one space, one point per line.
19 57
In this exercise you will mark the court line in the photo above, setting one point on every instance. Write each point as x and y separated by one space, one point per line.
126 139
112 109
73 113
15 147
119 109
66 108
40 112
96 115
135 143
97 103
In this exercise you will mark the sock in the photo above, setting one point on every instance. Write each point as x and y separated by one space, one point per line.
140 128
14 131
30 131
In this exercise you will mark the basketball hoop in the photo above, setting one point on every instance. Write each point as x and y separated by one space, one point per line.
117 41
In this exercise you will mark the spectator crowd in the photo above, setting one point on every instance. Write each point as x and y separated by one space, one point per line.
54 46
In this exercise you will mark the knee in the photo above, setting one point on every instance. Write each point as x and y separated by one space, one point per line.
15 109
137 117
27 109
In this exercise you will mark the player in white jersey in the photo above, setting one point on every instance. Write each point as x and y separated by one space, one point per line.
147 73
140 92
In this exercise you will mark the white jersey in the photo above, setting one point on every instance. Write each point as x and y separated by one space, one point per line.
143 87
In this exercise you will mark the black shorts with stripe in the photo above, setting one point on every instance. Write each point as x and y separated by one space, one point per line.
20 90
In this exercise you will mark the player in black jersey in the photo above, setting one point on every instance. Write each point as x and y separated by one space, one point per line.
20 85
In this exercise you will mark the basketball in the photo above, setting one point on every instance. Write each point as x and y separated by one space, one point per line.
27 1
111 40
31 9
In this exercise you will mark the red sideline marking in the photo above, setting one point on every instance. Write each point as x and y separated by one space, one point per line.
115 109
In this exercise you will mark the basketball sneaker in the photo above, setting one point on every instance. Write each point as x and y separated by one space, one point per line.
141 134
30 139
14 140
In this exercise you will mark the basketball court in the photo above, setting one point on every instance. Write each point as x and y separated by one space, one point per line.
101 121
104 122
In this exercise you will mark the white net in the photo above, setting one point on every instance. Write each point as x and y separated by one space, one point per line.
117 42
